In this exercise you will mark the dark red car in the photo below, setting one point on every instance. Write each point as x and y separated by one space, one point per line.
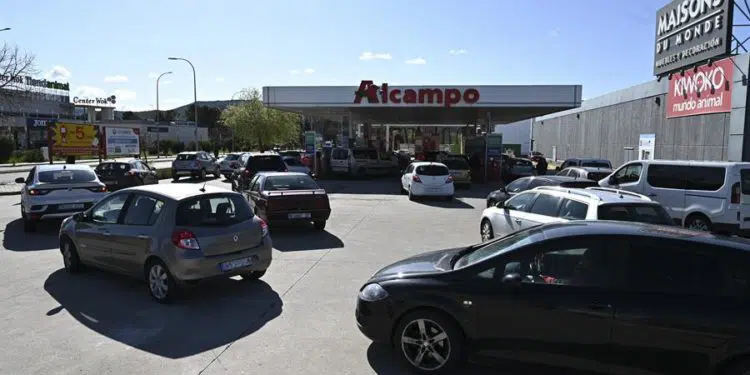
289 197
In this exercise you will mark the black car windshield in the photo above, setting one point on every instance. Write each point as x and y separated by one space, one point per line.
232 157
186 156
456 164
213 210
113 167
596 164
432 170
596 176
66 176
292 182
266 163
498 247
641 213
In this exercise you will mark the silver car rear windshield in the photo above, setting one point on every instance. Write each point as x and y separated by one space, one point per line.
66 176
295 182
213 210
432 170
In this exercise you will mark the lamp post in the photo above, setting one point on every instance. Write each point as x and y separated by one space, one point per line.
195 97
158 128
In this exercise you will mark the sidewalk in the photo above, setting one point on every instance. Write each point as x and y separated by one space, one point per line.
25 167
10 188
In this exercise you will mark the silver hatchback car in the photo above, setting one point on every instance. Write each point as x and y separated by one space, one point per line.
168 235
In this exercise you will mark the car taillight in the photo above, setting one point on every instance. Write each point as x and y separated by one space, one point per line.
246 172
130 173
449 180
99 189
263 227
286 169
416 178
736 193
37 192
185 239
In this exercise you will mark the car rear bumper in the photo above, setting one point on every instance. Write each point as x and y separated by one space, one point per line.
284 216
433 190
189 265
184 172
375 320
57 210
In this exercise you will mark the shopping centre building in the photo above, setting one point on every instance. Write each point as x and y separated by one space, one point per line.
695 109
415 118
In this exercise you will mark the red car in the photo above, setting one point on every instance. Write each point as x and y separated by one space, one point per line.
289 197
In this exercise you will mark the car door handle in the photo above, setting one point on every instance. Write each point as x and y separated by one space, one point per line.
518 221
143 237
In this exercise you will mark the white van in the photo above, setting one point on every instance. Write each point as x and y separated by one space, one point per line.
702 195
360 162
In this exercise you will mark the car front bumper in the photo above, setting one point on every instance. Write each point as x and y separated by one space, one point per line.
375 319
190 265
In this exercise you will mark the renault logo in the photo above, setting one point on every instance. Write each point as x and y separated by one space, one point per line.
236 238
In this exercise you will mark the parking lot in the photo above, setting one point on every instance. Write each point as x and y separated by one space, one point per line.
298 320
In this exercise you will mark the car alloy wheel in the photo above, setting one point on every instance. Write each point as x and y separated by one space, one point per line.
699 224
486 231
159 281
425 344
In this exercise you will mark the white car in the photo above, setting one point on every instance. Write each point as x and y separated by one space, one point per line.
549 204
295 165
58 191
424 178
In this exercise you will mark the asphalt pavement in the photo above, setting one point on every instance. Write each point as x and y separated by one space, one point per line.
298 320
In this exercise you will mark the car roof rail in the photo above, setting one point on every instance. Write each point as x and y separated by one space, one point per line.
576 191
619 192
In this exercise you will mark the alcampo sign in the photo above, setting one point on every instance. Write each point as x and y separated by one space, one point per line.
689 32
383 94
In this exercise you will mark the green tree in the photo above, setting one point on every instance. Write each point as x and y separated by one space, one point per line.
255 124
208 116
129 115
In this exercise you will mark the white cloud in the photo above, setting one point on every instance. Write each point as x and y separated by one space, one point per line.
125 95
153 75
375 56
174 101
115 79
456 52
89 92
58 73
294 72
309 71
165 82
219 79
554 33
416 61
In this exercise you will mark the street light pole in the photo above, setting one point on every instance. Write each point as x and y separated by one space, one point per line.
158 128
195 97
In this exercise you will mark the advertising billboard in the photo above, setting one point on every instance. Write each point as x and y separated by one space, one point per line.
370 93
689 32
707 89
122 141
69 139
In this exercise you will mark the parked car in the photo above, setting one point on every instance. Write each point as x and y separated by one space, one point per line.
361 162
168 235
583 296
57 191
527 183
589 173
119 175
514 168
290 197
196 164
425 178
548 204
459 170
294 164
297 154
232 162
585 162
256 162
701 195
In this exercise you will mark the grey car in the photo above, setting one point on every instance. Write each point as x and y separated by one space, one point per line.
195 164
169 235
58 191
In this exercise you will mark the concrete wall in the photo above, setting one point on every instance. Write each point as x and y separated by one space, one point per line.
605 125
518 133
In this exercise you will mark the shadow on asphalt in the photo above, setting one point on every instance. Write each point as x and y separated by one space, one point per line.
302 237
384 361
442 203
45 237
209 315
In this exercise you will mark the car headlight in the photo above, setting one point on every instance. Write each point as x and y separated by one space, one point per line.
373 292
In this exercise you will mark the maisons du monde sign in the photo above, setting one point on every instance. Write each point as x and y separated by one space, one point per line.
689 32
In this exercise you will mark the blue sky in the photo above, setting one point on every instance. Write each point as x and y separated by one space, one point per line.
105 47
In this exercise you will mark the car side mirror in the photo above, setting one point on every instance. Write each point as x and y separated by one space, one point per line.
612 180
152 168
20 180
558 169
512 280
501 204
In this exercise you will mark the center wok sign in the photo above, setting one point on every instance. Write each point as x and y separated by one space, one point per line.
707 90
423 96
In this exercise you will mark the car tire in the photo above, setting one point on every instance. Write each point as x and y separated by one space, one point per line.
29 225
202 174
427 332
217 174
412 197
160 282
253 275
449 198
698 222
319 224
485 230
175 178
71 260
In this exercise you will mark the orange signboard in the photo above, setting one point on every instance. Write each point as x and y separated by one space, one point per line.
69 139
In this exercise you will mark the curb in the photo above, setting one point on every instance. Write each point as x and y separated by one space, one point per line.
161 173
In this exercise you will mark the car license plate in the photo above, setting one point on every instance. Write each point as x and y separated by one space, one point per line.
237 263
300 215
77 206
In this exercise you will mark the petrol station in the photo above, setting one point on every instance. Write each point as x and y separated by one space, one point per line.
417 119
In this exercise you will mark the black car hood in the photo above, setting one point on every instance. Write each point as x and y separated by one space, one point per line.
430 262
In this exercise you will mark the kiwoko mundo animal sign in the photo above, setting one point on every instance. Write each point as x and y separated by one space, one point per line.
707 90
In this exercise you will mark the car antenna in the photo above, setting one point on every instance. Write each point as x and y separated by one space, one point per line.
203 188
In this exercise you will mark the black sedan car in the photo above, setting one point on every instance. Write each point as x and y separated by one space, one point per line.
592 296
120 175
527 183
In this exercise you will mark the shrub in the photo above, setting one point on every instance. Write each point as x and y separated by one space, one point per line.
177 147
6 149
207 146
